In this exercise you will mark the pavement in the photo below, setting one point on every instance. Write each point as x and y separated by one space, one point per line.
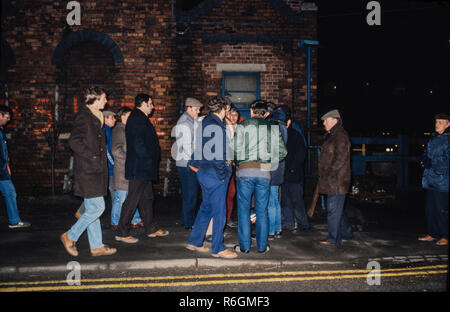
387 233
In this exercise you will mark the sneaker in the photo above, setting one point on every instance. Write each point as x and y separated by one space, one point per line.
195 248
226 254
278 234
128 239
19 225
69 245
103 251
271 237
159 233
265 250
237 248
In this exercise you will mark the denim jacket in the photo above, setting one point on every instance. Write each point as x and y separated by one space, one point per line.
214 143
436 163
4 173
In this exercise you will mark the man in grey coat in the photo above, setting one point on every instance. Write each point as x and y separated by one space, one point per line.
119 152
182 152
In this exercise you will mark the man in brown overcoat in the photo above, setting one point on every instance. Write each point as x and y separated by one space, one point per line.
87 140
334 177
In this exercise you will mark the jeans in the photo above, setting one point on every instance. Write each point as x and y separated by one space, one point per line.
90 220
338 225
437 214
119 198
9 192
82 209
293 206
260 188
189 193
274 211
214 192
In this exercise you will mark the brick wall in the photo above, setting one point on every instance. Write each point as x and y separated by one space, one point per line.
148 56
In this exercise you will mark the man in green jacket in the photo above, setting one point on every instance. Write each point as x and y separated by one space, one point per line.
258 148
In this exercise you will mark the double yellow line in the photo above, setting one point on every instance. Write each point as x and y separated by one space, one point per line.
216 279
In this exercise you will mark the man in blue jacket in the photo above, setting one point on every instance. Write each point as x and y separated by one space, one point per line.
141 168
6 186
436 181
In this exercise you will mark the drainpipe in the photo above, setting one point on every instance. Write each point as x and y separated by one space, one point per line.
308 44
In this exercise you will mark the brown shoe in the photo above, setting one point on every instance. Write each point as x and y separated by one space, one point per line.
427 238
195 248
326 242
225 254
442 242
158 233
128 239
78 215
103 251
69 245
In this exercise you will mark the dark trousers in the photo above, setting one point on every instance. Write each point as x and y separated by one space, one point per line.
293 206
189 193
437 214
338 225
140 196
214 192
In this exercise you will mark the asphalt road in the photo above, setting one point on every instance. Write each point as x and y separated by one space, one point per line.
351 277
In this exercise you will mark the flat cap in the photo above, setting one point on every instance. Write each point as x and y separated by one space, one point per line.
442 116
334 114
192 102
107 113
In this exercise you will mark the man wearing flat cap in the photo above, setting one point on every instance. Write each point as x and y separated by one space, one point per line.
182 152
435 180
334 177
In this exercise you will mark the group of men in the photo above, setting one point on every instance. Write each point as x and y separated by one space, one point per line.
141 152
209 150
266 151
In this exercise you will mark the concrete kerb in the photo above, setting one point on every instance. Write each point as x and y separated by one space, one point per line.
163 264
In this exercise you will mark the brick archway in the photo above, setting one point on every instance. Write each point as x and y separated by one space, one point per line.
87 35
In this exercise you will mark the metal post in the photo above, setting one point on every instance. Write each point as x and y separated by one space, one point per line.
308 97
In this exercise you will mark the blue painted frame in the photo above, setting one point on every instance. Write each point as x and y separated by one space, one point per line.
245 112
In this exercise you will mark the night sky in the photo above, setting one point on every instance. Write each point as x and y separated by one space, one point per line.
392 78
389 78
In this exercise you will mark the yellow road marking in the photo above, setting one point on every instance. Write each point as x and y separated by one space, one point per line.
344 274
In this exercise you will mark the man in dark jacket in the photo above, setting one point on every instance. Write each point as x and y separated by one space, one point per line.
436 181
334 177
6 186
292 203
88 143
141 168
